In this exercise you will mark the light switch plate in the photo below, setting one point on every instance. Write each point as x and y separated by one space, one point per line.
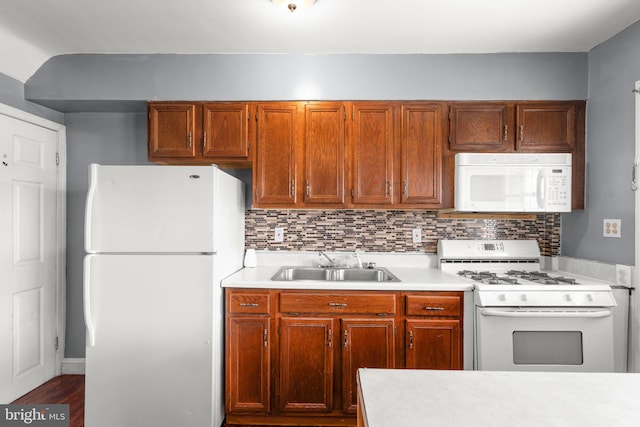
416 234
278 234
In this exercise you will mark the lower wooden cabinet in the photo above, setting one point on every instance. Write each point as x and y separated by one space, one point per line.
292 356
433 344
366 343
305 365
248 364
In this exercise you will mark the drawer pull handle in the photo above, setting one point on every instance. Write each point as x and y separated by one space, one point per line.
337 304
429 308
249 304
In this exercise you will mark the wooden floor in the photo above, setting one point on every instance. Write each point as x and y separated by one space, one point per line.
63 389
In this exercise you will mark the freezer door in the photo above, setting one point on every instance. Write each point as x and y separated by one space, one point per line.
150 209
154 328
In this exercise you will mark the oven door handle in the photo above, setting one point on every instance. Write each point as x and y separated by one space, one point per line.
547 313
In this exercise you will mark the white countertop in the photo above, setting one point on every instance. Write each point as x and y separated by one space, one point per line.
416 398
411 279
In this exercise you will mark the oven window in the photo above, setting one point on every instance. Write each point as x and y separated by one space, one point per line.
547 348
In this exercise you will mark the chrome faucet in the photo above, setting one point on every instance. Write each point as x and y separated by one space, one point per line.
332 261
355 254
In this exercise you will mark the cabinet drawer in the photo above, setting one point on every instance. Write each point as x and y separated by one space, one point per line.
248 302
338 303
433 305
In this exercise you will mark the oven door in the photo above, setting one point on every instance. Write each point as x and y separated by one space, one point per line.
544 339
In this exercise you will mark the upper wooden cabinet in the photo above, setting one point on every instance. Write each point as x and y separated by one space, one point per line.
226 130
546 127
527 126
372 151
324 150
275 182
421 153
172 129
361 154
484 127
200 133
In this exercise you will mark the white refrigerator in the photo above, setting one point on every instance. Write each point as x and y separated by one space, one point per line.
159 239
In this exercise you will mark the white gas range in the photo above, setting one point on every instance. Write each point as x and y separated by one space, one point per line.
528 319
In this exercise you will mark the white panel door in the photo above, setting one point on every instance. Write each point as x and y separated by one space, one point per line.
28 177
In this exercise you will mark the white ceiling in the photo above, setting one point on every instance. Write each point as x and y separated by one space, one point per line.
32 31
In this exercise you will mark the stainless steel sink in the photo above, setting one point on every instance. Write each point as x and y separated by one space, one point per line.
377 274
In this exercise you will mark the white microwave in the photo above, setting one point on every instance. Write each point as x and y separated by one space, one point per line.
512 182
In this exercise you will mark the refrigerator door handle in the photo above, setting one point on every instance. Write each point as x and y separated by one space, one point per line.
93 182
88 319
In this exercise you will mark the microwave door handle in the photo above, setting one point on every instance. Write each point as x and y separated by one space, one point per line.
540 189
546 313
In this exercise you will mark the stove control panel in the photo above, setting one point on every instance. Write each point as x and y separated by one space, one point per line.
546 298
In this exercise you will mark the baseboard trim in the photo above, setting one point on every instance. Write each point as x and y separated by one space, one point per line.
73 366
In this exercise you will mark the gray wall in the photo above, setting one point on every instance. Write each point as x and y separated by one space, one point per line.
614 67
12 94
70 81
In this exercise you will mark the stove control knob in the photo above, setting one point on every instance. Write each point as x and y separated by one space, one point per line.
523 297
502 297
568 297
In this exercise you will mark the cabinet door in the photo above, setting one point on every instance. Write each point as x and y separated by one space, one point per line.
226 130
433 344
372 149
421 158
247 361
306 365
172 130
274 174
480 127
366 343
324 153
546 127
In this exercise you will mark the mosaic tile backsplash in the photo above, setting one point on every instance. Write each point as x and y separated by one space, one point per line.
388 230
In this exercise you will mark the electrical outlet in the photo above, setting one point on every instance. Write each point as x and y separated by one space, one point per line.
416 234
278 234
612 228
623 275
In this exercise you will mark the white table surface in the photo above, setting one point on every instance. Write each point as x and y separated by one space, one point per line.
419 398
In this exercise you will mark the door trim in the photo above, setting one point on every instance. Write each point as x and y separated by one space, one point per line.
61 220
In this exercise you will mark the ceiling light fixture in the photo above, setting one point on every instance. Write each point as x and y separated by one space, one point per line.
294 5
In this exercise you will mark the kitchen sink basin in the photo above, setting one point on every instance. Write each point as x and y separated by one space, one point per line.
335 274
